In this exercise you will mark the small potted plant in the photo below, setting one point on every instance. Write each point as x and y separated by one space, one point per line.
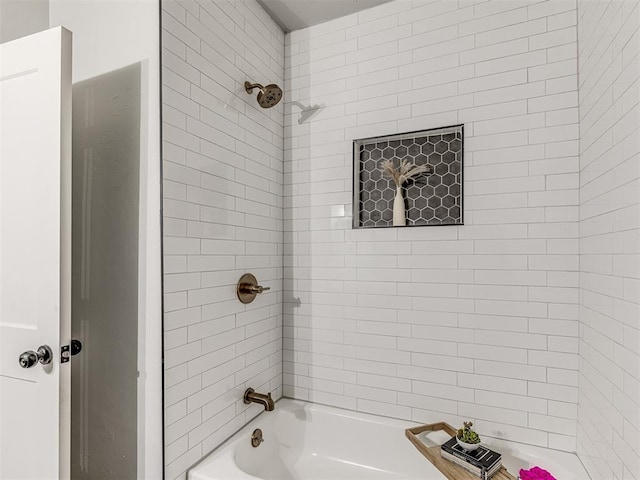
467 438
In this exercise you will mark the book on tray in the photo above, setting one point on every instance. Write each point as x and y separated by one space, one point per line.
482 462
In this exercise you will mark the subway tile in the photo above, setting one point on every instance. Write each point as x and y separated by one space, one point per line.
511 62
367 366
520 246
425 374
549 359
493 384
510 277
429 37
561 84
520 122
368 393
420 12
497 353
445 363
490 52
493 323
175 375
552 39
550 8
515 92
506 400
515 308
495 414
511 370
511 32
492 262
494 292
553 102
491 287
529 184
482 24
489 82
448 47
434 21
449 392
501 140
435 403
477 203
417 317
426 346
553 392
489 112
376 38
385 409
383 382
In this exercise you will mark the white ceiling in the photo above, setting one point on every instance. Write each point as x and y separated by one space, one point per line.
296 14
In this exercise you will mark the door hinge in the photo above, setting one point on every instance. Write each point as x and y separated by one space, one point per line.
67 351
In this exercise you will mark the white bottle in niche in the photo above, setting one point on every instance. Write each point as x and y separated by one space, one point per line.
399 216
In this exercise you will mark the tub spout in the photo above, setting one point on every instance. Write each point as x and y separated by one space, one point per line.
250 396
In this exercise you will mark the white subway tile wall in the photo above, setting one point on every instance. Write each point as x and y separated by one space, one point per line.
440 323
223 174
609 384
524 319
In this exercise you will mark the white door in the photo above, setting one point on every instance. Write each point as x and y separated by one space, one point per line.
35 253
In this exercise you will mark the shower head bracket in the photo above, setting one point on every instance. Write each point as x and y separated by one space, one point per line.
248 86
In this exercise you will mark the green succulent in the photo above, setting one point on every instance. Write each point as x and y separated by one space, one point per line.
467 435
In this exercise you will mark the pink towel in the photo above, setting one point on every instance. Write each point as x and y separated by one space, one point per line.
536 473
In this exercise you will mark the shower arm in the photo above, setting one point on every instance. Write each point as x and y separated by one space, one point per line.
250 86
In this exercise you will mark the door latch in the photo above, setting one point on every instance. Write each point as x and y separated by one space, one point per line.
67 351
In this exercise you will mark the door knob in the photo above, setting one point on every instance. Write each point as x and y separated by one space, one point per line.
29 358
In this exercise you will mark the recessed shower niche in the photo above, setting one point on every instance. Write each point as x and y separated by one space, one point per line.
409 179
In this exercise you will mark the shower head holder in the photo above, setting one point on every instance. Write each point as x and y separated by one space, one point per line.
248 86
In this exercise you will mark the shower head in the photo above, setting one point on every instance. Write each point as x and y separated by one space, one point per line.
268 96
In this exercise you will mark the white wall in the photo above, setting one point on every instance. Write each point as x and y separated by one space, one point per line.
222 218
478 321
107 36
609 398
19 18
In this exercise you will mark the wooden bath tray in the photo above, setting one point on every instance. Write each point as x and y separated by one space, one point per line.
432 452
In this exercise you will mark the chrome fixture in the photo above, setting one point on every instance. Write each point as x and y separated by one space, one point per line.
248 288
256 438
268 96
29 358
251 396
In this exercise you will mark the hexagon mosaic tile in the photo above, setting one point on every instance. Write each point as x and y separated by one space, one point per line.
430 198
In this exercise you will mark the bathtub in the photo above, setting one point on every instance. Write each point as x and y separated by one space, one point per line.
309 441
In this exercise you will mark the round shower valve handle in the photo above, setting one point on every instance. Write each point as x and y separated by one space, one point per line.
29 358
248 288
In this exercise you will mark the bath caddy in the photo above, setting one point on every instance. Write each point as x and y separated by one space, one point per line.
448 469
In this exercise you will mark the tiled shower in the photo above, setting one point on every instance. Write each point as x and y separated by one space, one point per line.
523 319
223 184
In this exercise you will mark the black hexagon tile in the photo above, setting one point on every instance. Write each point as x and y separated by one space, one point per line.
430 198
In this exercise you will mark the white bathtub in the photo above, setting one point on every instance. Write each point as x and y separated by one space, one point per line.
309 441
